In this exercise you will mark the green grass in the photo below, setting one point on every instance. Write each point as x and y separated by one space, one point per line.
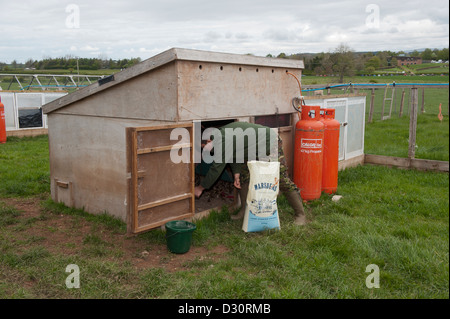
309 80
396 219
7 215
433 97
114 225
391 137
25 168
430 68
418 69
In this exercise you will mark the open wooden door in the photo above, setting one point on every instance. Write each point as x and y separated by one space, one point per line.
160 190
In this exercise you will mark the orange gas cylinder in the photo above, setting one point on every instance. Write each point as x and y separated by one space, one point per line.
308 153
330 151
2 123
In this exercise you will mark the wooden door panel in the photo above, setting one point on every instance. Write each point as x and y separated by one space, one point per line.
160 190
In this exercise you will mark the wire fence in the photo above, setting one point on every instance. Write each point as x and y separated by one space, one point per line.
389 100
418 115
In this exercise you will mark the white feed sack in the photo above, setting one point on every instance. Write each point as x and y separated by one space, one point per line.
261 211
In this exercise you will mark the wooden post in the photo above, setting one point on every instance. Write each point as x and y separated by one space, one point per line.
371 106
402 102
422 110
413 122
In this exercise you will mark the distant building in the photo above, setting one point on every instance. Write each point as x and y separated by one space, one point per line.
407 60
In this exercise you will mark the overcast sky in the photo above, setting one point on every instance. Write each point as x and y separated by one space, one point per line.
137 28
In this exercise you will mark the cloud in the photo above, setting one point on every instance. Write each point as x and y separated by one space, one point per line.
212 36
89 48
144 28
242 36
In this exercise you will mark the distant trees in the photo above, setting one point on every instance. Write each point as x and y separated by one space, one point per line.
443 54
84 63
322 64
427 54
393 62
71 62
343 61
374 62
29 63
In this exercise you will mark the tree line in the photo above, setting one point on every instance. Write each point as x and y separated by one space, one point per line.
343 61
71 63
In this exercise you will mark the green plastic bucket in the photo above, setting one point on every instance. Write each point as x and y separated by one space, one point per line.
179 236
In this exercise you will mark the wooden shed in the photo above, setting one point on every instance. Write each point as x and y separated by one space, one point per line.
109 141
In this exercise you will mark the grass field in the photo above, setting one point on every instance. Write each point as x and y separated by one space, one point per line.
395 219
309 80
391 136
418 69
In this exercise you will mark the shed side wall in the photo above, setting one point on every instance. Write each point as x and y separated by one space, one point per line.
88 162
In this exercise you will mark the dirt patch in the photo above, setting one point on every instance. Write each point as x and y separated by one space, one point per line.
69 235
223 193
28 207
159 256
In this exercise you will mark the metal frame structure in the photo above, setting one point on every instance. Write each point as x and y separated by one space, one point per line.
51 81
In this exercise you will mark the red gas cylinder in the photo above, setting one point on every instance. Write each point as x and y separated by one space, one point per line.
2 123
308 153
330 151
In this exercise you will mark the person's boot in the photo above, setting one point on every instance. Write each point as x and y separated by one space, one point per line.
243 195
296 203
